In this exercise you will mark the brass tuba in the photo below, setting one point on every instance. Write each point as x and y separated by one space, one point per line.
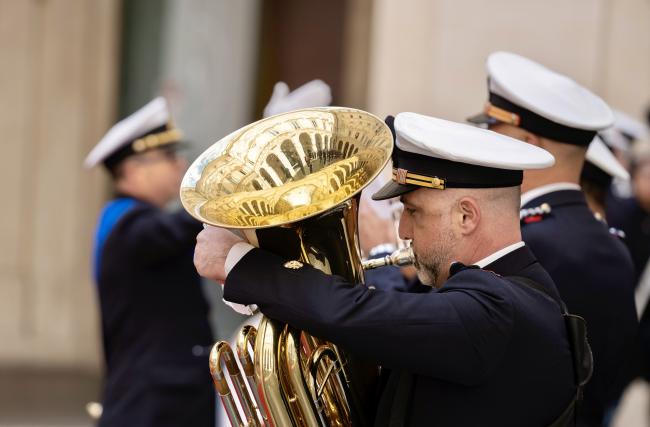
291 184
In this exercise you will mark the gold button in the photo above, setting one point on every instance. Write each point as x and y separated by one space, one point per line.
294 265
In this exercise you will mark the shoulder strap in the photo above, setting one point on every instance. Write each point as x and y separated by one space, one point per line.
583 361
538 287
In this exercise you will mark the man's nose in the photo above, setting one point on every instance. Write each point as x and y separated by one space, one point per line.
404 228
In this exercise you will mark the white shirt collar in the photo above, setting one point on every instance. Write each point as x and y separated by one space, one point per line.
498 254
545 189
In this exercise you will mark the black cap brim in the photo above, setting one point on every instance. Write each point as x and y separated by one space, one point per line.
481 119
393 189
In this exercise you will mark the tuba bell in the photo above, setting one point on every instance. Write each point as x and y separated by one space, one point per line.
291 183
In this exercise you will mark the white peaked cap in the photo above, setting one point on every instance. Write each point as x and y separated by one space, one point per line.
601 157
629 126
624 130
549 94
458 142
615 139
315 93
152 116
441 154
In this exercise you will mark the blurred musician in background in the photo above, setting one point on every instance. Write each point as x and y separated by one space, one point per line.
154 317
599 171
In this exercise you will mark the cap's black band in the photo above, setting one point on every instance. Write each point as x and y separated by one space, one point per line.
595 175
127 149
542 126
456 174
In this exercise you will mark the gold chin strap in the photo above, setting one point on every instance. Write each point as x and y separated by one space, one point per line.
502 115
402 176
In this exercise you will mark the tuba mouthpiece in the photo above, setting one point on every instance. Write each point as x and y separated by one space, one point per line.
400 257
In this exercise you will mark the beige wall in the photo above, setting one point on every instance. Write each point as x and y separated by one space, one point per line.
58 84
428 56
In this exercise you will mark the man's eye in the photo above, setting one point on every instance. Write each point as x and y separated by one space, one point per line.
409 211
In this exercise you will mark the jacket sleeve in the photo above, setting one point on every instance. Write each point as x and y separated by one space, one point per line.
152 235
456 335
386 279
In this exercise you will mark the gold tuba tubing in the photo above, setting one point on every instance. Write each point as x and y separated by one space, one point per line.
328 379
267 374
246 338
291 184
302 408
222 353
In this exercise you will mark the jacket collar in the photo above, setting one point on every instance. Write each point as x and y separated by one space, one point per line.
558 198
545 189
512 263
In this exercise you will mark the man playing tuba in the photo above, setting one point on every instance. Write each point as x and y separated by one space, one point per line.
485 343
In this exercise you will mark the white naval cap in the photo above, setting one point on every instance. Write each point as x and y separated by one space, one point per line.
526 94
440 154
315 93
148 128
615 139
628 126
624 131
607 166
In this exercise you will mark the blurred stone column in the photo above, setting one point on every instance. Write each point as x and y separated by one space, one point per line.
209 55
208 65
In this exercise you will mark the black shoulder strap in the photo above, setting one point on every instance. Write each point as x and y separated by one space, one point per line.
583 361
538 287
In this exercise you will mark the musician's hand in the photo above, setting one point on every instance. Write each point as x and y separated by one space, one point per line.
212 247
373 230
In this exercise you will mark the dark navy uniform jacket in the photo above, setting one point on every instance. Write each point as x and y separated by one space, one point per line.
154 318
628 216
594 273
482 351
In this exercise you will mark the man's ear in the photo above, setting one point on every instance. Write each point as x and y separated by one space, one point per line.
469 214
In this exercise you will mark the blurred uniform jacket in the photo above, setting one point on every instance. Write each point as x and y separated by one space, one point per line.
627 215
481 351
154 318
594 274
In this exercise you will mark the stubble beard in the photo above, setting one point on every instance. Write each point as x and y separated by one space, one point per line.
427 271
429 264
